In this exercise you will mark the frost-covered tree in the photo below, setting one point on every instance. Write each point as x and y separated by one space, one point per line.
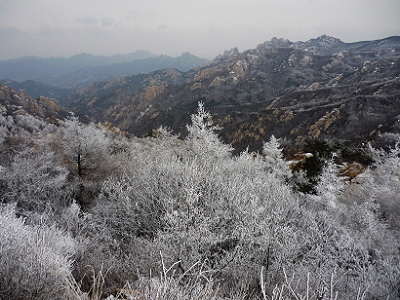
330 185
84 147
274 160
202 141
381 183
19 132
84 150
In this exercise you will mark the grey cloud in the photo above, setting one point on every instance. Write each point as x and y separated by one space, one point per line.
46 29
107 21
11 31
133 14
87 19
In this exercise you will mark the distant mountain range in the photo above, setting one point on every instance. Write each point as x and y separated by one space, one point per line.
81 70
321 88
85 76
45 69
37 89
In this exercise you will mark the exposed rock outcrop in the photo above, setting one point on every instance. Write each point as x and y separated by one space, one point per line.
13 103
324 123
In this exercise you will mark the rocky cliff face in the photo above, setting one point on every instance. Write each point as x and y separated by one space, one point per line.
19 103
322 88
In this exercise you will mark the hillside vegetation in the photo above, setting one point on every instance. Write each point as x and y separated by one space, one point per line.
88 212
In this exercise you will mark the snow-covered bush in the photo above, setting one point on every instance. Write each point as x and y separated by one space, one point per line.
198 205
206 211
34 260
34 179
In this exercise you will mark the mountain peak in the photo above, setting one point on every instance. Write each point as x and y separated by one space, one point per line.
186 54
326 39
278 43
322 44
226 56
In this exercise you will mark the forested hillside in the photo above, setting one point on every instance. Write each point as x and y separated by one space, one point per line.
88 212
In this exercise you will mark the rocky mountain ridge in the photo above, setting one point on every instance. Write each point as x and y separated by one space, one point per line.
19 103
321 88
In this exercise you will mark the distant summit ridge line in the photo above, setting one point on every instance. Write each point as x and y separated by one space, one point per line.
82 69
321 88
323 44
139 54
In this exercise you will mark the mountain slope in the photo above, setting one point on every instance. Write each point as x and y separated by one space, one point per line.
19 103
291 86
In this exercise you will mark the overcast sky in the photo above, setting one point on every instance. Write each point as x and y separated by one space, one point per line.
203 27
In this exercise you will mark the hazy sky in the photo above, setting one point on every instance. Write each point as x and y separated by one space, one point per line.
203 27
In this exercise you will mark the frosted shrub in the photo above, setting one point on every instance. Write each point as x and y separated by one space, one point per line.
7 122
380 185
346 236
34 261
168 286
195 202
211 206
11 135
227 217
238 214
22 130
106 238
33 179
31 124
